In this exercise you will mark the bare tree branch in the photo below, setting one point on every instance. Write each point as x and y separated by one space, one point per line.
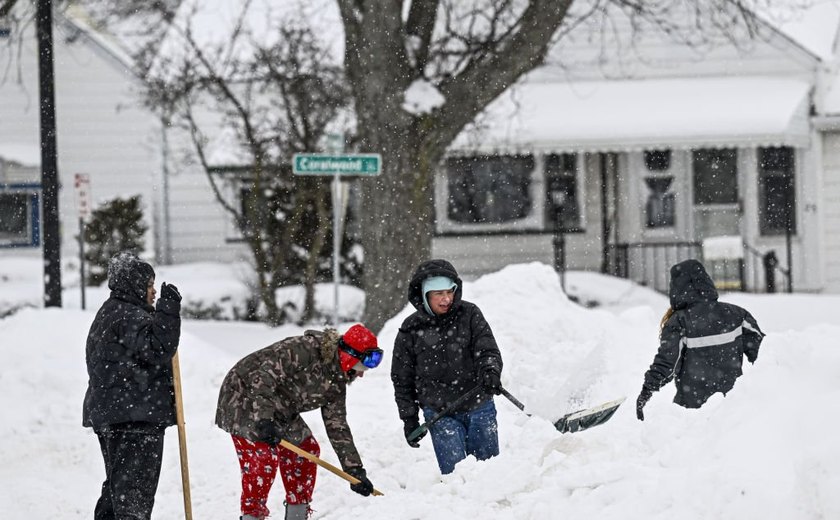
486 77
6 7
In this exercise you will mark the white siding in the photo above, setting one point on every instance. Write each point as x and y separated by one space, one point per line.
199 227
473 256
101 129
830 209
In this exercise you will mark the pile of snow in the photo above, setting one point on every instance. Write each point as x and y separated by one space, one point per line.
767 450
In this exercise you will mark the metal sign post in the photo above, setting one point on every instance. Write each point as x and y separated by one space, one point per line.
336 197
337 165
83 204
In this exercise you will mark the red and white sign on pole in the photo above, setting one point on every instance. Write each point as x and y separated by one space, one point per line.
83 199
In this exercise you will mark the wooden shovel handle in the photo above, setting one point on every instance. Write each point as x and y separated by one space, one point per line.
182 436
324 464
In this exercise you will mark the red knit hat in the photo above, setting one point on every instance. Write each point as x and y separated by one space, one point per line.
360 339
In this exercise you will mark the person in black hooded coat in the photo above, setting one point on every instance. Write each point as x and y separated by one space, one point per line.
443 351
130 398
702 341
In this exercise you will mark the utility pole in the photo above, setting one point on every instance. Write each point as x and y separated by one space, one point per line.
49 160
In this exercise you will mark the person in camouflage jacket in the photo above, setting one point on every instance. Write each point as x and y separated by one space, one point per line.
260 403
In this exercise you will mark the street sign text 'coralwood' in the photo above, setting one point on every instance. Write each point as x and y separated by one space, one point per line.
345 164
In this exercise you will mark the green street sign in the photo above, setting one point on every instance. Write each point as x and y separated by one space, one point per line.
345 164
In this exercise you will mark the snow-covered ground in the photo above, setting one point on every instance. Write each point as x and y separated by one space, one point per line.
768 450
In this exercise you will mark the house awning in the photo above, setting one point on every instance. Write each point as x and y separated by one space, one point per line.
642 114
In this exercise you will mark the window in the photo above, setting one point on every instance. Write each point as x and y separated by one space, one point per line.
658 160
660 207
489 189
777 197
563 209
18 219
715 176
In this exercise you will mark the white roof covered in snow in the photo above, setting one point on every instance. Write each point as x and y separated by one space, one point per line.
639 114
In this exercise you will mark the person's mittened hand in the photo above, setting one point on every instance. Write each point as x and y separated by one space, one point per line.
267 432
169 292
363 487
491 381
409 425
641 401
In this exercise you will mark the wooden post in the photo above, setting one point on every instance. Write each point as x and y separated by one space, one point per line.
182 437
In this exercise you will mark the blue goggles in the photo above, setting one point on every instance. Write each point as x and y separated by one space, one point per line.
369 358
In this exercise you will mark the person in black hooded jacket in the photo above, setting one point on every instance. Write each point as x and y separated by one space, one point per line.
443 351
702 341
130 398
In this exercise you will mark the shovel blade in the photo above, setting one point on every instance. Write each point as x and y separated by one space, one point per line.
585 419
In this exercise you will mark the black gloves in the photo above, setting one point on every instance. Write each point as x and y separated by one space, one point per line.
641 401
491 381
169 292
364 488
267 432
409 425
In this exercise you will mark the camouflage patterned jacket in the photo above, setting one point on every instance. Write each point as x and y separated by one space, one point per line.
279 382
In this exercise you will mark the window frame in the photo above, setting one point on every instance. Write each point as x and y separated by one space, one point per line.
577 171
668 196
696 193
531 219
32 196
788 176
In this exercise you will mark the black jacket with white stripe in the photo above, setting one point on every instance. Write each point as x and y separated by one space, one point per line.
703 342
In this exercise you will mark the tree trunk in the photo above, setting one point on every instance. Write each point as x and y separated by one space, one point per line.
397 226
318 241
398 207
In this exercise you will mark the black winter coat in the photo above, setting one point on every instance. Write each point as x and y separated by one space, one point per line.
129 353
439 358
703 342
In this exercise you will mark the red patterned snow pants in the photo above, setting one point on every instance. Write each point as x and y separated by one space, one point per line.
259 462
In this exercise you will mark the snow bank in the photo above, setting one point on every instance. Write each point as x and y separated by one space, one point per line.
767 450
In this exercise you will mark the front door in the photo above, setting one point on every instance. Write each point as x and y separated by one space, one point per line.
717 207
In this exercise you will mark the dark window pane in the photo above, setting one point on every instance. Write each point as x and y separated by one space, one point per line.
489 189
14 216
777 197
715 176
561 174
658 160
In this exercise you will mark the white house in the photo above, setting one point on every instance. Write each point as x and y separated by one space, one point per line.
653 148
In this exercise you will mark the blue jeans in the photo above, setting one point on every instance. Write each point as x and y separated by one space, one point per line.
464 433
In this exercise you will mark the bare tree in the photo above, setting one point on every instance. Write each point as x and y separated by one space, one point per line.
469 52
273 100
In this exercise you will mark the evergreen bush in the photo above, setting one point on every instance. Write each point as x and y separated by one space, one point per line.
115 226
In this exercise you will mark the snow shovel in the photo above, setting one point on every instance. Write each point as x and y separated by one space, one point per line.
579 420
324 464
423 428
